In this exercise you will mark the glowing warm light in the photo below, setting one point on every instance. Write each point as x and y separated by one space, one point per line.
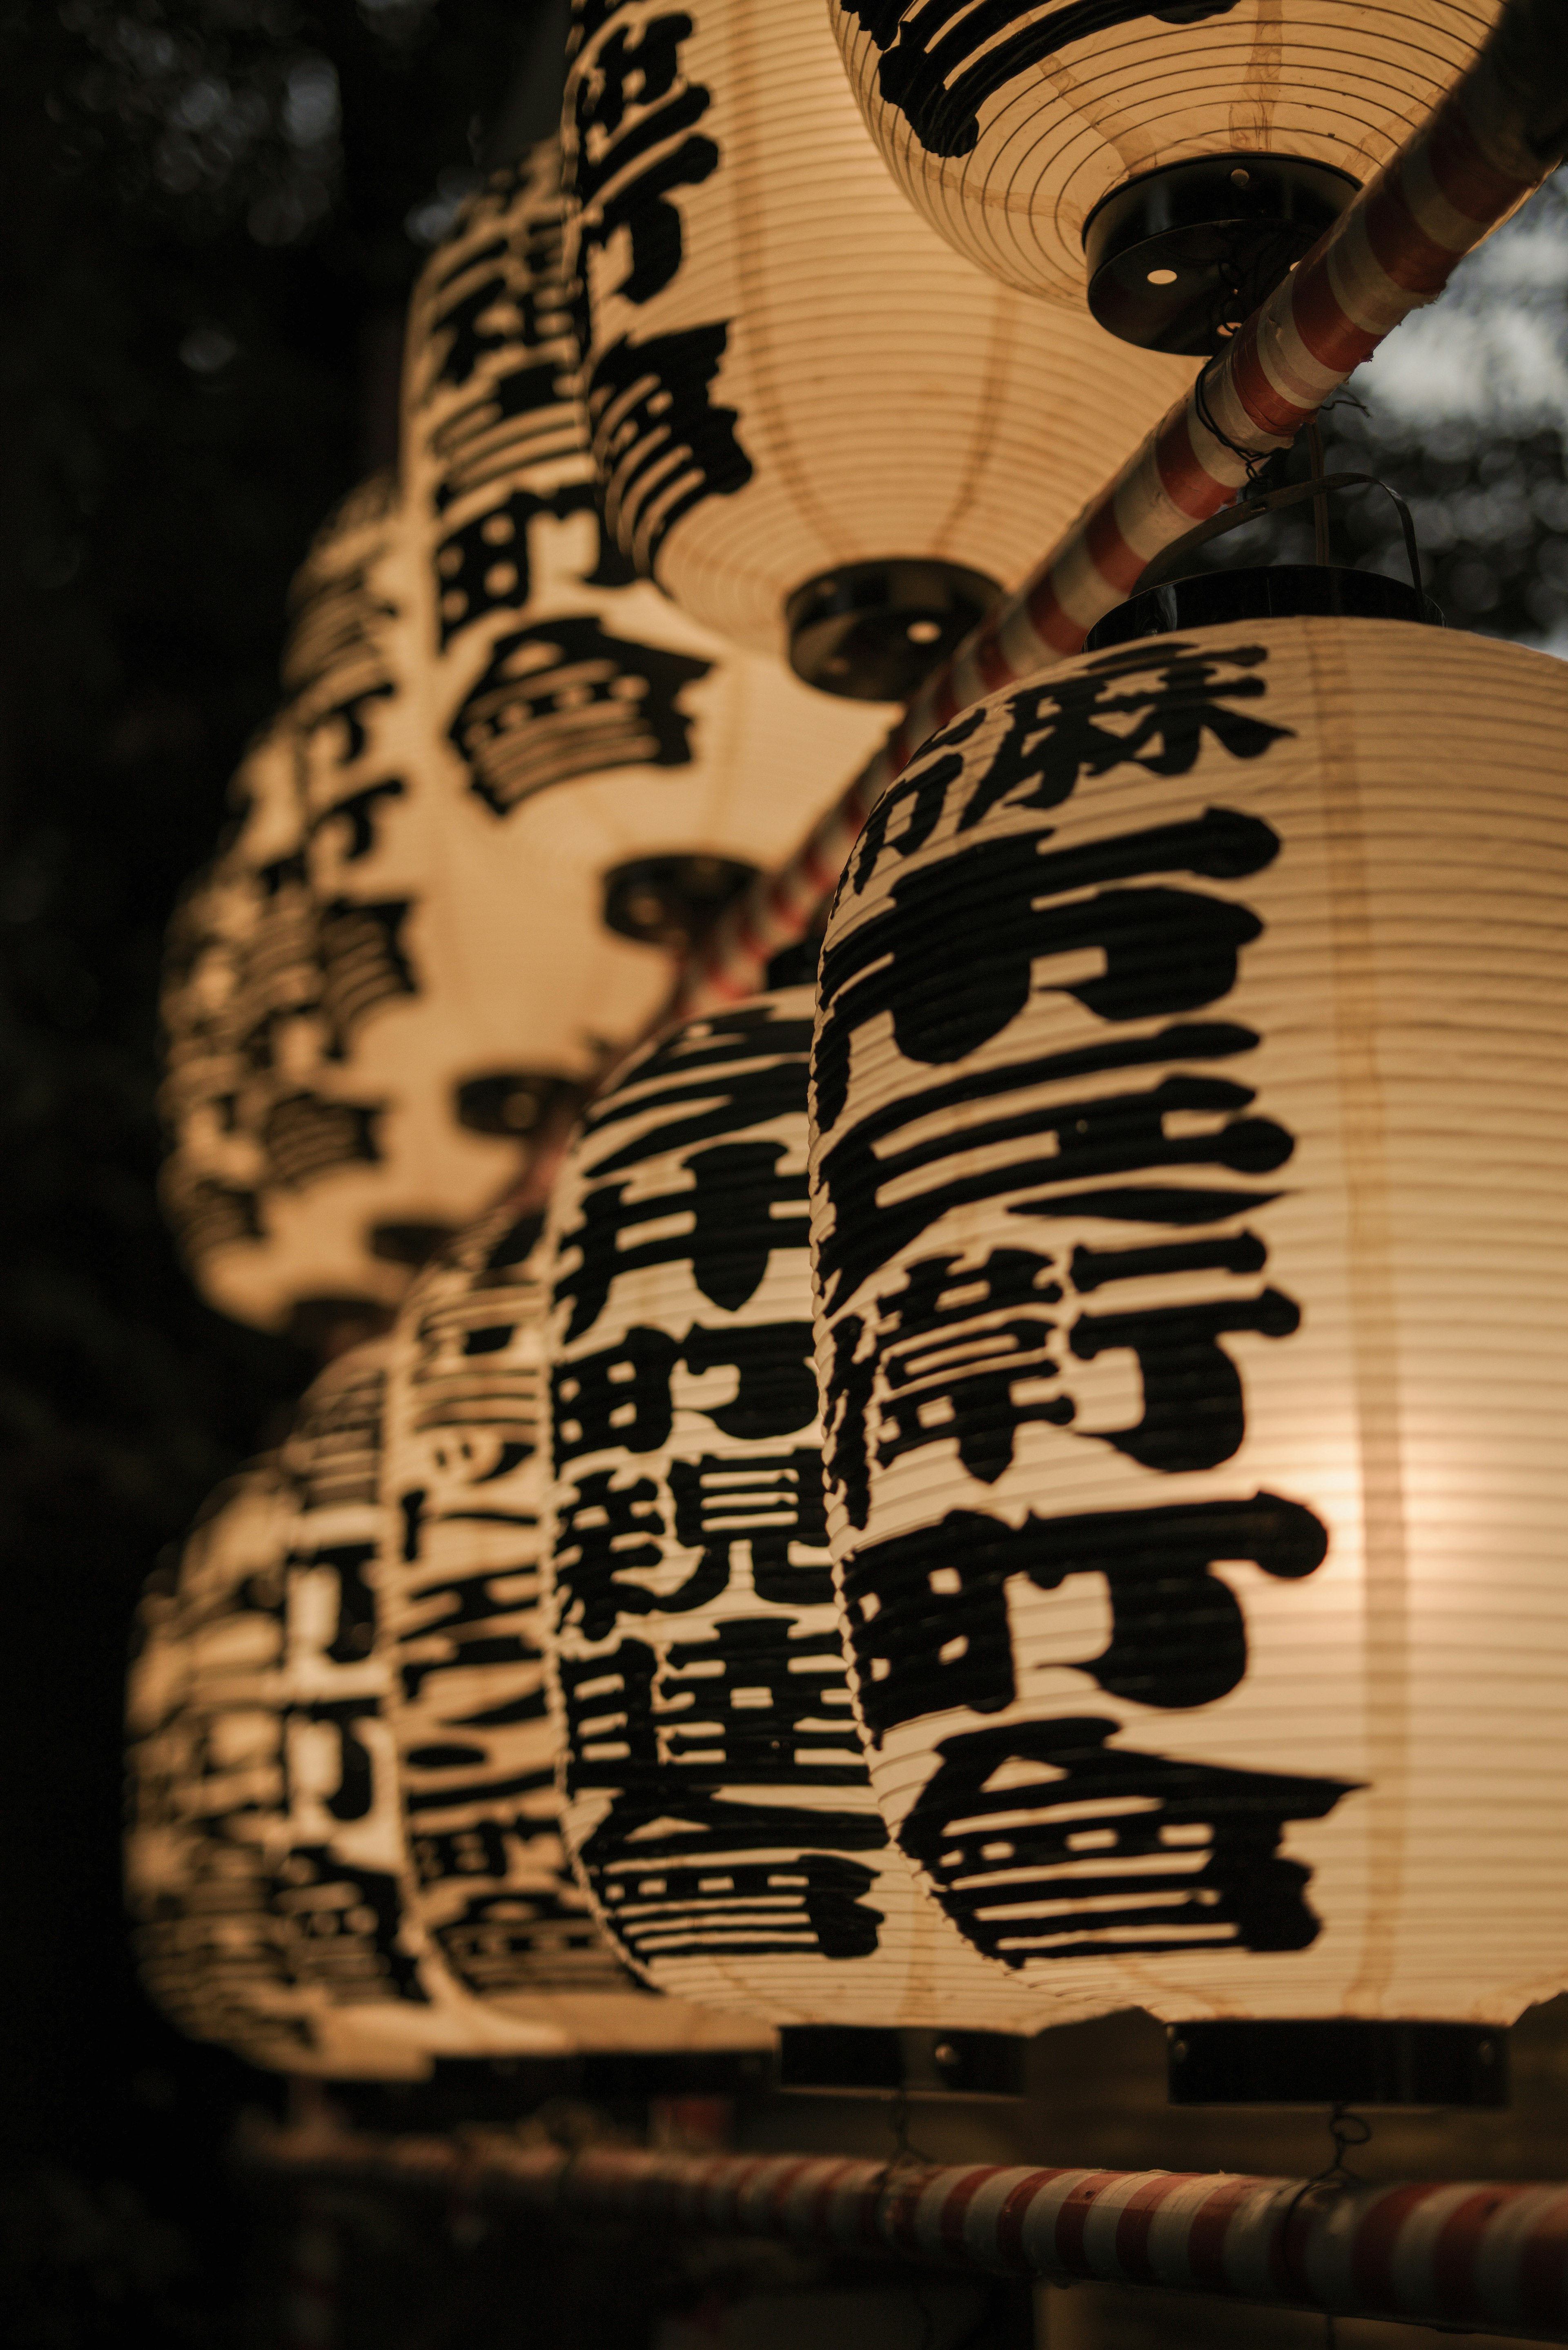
1191 1090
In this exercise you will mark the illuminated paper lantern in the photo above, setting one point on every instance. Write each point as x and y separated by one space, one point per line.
1190 1101
595 772
267 1859
246 1037
717 1801
466 1485
521 780
815 425
203 1761
1209 143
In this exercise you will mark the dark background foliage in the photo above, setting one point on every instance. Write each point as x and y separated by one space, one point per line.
213 212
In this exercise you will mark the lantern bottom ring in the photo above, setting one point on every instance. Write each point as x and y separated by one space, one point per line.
1180 257
875 631
1337 2061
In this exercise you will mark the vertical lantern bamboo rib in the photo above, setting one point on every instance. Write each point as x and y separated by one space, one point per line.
1494 137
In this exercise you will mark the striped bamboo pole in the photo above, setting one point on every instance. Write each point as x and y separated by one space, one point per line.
1487 144
1467 2253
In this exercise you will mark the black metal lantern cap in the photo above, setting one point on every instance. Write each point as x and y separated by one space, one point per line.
1179 257
875 631
856 2060
671 901
1275 591
1339 2062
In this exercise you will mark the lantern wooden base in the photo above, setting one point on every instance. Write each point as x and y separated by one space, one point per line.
875 631
1341 2061
1178 258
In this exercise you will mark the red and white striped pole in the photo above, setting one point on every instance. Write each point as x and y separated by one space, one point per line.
1463 2254
1490 141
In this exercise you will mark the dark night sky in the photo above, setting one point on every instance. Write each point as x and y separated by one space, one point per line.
214 209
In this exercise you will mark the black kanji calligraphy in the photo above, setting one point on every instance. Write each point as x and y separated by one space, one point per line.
929 1607
1111 1852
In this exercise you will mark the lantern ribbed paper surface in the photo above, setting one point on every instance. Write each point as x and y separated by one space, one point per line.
1007 126
788 372
1190 1100
203 1767
717 1802
466 1483
266 1860
577 724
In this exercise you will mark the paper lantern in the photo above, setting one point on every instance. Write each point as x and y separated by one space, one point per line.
815 424
203 1762
267 1859
466 1485
717 1802
246 1037
1190 1097
1180 159
595 772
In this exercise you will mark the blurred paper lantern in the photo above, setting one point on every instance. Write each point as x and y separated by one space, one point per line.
1180 159
520 786
204 1764
266 1860
717 1801
466 1483
590 750
803 403
1190 1100
246 1038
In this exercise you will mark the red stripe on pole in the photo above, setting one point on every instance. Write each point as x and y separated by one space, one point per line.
1117 564
1543 2267
1465 174
1454 2254
956 2203
995 669
1074 2218
1138 2215
1208 2229
1335 341
1184 477
1009 2219
1272 412
1051 624
1376 2242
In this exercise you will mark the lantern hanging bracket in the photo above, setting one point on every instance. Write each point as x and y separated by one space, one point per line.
1173 562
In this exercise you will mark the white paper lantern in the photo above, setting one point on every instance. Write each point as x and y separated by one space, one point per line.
245 1038
203 1761
1191 1098
1008 127
589 753
497 746
789 375
267 1859
462 1606
717 1802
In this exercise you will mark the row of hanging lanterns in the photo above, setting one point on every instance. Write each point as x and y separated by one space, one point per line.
508 779
1090 1541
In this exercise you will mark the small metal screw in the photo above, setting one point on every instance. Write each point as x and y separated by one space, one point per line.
1239 179
945 2053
